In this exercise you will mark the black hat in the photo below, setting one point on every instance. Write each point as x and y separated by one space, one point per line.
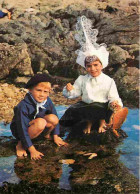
36 79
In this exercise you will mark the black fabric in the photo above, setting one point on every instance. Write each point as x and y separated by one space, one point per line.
37 79
82 111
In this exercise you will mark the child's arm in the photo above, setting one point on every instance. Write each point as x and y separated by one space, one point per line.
75 90
113 95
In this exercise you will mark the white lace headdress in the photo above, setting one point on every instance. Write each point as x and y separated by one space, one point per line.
87 38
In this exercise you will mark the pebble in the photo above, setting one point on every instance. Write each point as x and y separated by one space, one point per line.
92 156
67 161
118 188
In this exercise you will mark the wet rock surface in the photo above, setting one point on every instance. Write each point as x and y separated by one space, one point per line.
101 174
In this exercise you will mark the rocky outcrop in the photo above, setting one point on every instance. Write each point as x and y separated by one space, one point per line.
127 80
46 40
14 59
118 55
102 174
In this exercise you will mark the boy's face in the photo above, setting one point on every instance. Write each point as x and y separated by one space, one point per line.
41 91
94 68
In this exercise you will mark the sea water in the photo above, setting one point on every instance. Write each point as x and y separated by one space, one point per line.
128 149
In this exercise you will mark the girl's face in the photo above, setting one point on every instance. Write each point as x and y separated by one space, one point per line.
41 91
94 68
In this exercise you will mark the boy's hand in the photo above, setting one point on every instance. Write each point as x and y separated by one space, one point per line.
59 141
35 155
69 87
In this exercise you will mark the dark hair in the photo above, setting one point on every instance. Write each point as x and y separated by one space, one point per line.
90 59
36 79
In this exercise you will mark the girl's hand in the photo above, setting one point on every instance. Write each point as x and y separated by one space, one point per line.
115 106
69 87
114 103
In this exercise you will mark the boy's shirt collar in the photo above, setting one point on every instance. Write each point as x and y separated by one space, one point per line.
38 104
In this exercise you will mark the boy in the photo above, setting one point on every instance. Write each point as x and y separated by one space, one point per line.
32 115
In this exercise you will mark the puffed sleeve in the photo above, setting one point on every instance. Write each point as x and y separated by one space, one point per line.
77 89
113 94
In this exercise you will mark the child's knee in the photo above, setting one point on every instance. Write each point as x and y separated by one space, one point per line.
55 120
40 123
52 119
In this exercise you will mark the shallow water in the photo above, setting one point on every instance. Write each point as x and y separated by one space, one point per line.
64 179
7 170
130 146
129 151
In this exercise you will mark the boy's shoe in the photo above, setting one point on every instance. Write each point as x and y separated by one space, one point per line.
118 118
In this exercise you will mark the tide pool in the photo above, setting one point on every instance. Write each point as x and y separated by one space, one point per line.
128 149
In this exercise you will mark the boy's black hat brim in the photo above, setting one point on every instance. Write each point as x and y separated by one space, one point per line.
36 79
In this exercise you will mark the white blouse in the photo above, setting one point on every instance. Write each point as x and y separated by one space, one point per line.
94 89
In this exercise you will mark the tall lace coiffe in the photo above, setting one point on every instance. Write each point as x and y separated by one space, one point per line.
87 38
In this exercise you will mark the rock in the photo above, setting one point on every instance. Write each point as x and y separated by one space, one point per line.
14 60
133 51
117 55
118 188
57 53
105 174
67 161
22 80
9 97
127 80
94 182
110 9
116 30
44 39
8 92
91 155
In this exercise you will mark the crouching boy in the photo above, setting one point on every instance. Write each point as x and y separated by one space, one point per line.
32 115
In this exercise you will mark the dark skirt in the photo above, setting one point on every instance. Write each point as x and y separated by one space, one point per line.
82 111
